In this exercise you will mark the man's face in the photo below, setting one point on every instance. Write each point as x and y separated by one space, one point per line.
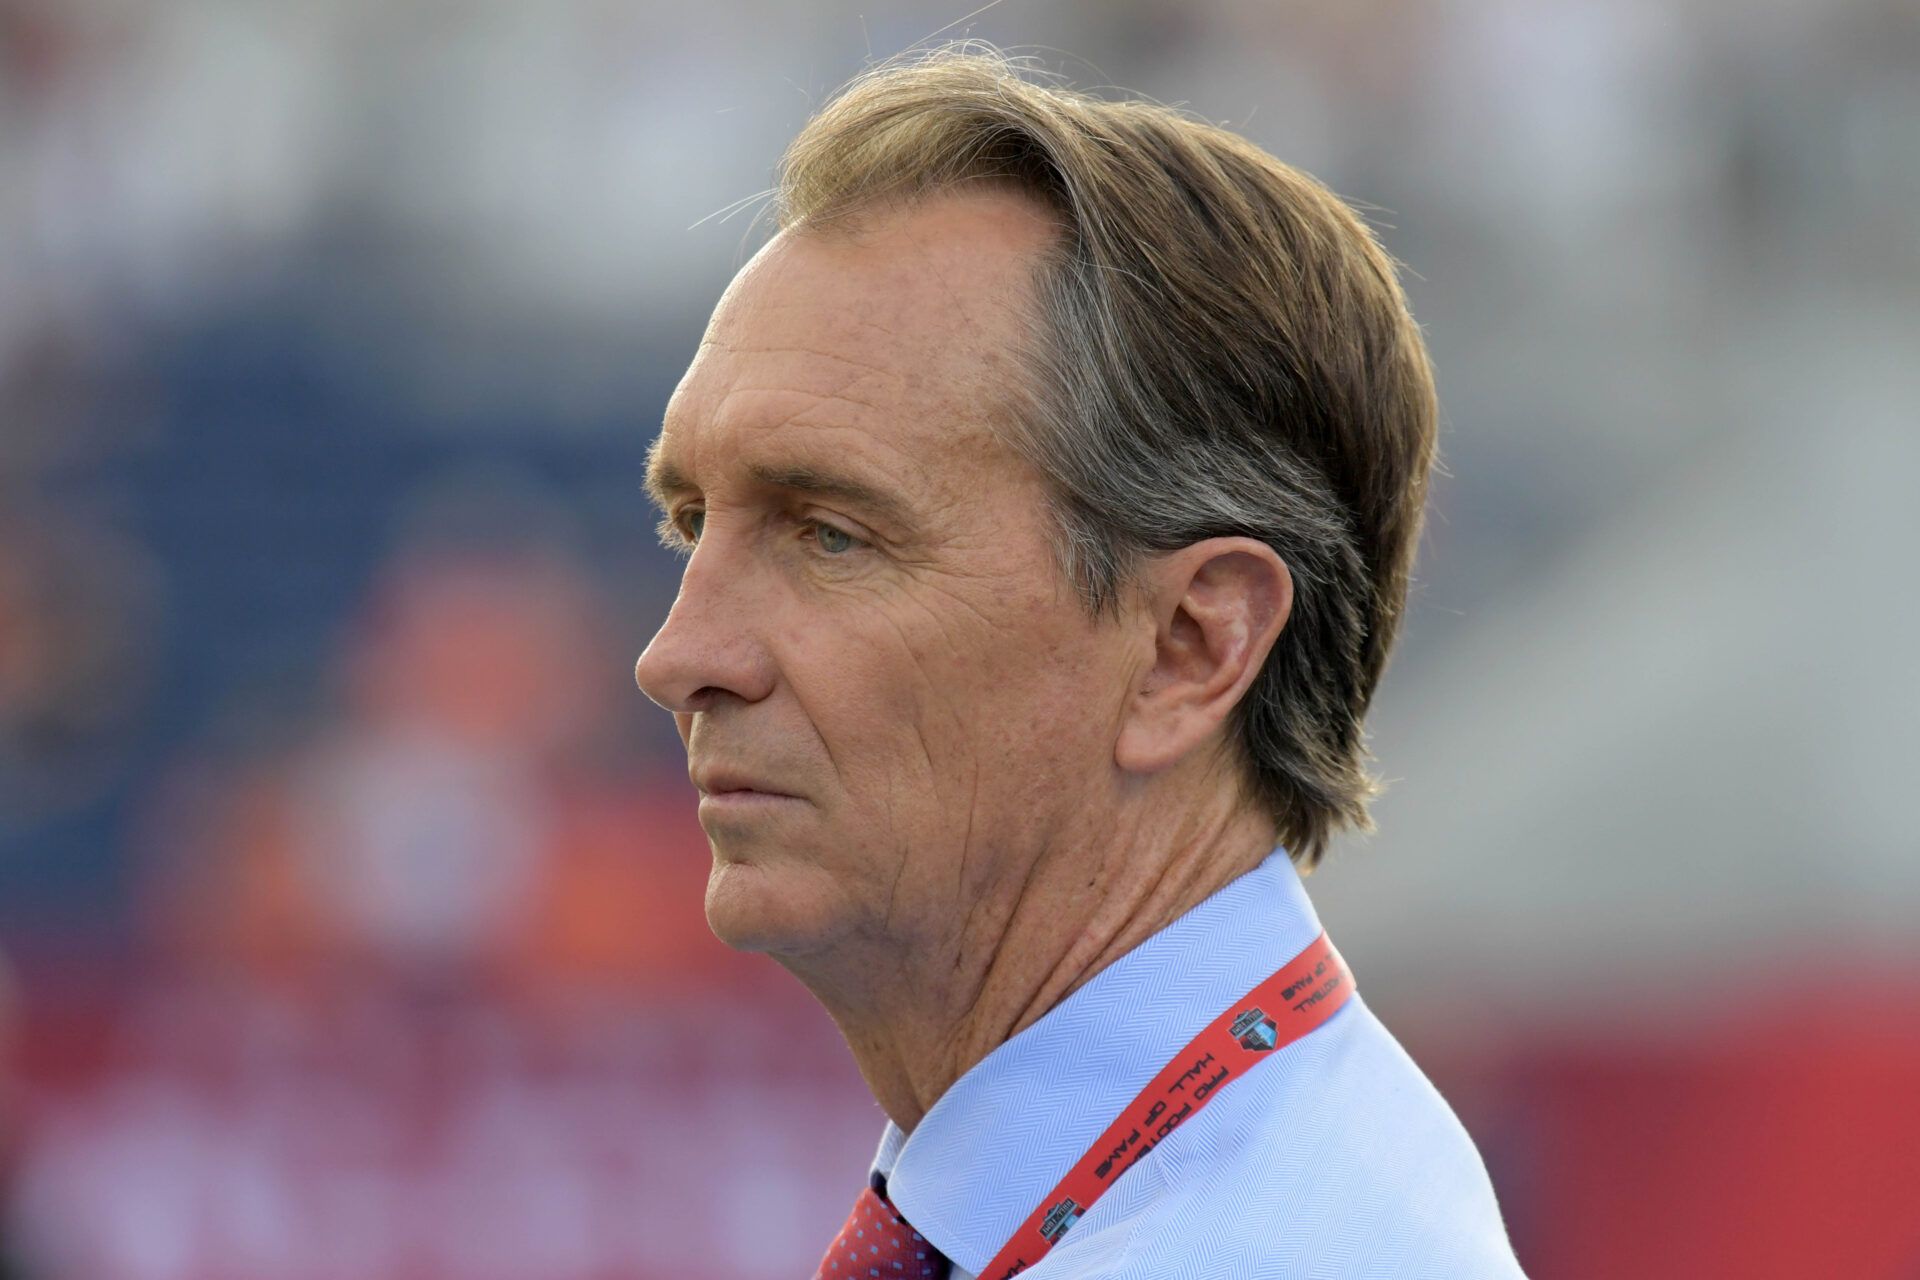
891 699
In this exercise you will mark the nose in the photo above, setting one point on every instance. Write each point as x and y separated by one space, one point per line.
709 647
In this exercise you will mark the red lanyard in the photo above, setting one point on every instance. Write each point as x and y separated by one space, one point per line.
1304 993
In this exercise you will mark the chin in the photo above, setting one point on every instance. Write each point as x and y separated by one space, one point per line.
781 910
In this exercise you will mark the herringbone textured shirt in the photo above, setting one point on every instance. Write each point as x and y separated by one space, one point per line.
1334 1159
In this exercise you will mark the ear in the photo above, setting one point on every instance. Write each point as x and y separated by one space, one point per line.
1217 608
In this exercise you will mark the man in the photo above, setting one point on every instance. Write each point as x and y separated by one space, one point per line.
1050 484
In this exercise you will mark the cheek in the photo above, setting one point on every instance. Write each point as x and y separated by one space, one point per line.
900 703
936 709
1006 703
1055 705
861 693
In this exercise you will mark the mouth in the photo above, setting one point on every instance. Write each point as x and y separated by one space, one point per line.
719 783
724 789
745 805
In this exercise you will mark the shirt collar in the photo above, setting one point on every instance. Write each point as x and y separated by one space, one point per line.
1000 1138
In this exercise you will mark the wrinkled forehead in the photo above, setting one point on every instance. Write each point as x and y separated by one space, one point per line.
919 313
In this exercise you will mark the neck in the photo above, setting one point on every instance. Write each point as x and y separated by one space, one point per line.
1007 959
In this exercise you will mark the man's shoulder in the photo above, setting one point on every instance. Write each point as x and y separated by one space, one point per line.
1348 1164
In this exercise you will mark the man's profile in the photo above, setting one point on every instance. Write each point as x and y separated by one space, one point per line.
1050 484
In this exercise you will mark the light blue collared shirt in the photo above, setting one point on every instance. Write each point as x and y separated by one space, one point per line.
1334 1158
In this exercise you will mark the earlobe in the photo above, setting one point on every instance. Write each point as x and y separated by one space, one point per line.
1217 606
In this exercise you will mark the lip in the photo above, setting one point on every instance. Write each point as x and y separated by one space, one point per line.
745 800
727 787
745 805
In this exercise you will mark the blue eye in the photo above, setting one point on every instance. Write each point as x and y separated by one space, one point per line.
833 541
695 521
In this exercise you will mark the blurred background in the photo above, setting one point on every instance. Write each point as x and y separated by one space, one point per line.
350 896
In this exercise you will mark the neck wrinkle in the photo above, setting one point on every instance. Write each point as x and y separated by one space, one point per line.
1045 953
1189 874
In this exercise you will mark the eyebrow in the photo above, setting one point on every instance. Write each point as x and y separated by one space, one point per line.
665 480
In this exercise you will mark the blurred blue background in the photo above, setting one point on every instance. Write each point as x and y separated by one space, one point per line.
350 895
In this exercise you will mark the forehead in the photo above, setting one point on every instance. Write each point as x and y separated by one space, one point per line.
892 340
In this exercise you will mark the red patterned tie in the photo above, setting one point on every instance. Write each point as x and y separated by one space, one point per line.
878 1242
